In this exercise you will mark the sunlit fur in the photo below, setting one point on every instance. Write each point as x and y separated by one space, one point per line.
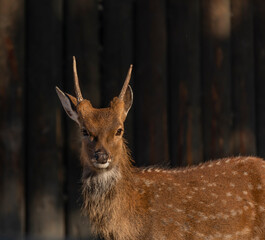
110 199
218 200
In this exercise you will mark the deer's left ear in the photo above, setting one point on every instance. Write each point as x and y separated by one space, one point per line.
128 99
69 104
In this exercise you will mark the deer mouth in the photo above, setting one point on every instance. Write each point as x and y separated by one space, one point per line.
101 165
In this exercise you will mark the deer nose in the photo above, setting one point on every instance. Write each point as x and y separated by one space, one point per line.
101 157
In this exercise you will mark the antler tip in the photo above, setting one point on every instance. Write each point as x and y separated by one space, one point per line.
77 88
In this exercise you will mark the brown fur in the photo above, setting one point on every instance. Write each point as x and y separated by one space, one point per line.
223 199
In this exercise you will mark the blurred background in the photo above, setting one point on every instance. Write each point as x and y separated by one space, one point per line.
199 94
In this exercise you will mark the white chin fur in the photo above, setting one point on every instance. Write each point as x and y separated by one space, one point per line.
101 165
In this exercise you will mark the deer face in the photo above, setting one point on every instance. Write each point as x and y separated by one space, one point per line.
101 129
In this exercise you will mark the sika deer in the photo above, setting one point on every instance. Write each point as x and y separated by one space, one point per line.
223 199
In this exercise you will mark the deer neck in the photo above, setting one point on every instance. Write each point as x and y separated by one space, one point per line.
107 196
108 184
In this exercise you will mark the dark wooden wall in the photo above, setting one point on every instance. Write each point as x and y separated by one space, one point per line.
199 93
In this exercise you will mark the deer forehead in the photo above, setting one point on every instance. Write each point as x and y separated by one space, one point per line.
97 120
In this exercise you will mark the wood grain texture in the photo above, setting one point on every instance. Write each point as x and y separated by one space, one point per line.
259 36
117 54
151 132
45 205
216 75
12 189
82 41
243 139
186 145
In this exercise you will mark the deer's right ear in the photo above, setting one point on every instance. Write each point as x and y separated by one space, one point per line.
69 104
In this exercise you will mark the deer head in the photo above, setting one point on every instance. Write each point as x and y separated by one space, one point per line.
102 129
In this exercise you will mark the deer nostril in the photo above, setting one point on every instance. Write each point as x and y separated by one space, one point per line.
101 157
96 155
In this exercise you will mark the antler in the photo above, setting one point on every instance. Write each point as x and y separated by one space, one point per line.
76 82
126 83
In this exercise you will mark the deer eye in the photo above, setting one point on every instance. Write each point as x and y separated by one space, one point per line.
85 132
119 131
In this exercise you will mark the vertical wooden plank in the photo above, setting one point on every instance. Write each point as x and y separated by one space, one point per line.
216 77
44 144
259 23
12 205
81 32
185 131
117 54
151 82
243 140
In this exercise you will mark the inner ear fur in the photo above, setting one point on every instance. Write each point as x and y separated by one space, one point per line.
128 99
72 100
123 106
69 104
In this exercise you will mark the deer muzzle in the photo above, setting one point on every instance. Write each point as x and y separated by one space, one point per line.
101 159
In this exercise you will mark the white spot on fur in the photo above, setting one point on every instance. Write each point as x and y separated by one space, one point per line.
251 204
240 212
255 238
259 186
245 208
228 236
261 209
245 192
227 161
157 170
178 210
238 198
218 163
228 194
214 195
245 173
232 185
245 231
234 172
233 213
250 186
148 183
